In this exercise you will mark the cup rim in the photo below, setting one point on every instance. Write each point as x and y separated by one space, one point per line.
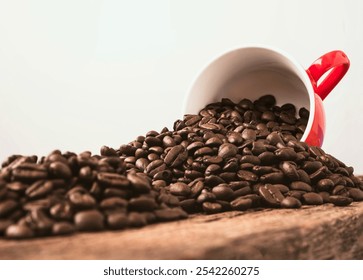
302 74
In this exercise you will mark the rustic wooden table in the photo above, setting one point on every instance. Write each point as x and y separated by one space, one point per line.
321 232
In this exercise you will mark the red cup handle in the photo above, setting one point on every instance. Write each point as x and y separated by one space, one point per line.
337 62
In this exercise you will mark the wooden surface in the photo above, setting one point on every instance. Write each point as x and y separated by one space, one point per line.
322 232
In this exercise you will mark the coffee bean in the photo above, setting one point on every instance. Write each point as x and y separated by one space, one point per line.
324 185
286 154
273 178
340 190
39 221
117 220
80 200
60 170
247 176
289 170
19 232
312 198
62 228
241 204
250 159
212 207
4 223
176 156
155 166
61 211
142 204
112 180
180 189
139 183
223 192
339 200
89 220
271 195
268 158
356 194
227 150
170 214
290 202
7 207
301 186
325 196
190 206
29 172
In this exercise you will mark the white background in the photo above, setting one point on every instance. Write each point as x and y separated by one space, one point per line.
76 75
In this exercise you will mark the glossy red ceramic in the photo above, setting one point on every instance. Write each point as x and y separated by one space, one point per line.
335 64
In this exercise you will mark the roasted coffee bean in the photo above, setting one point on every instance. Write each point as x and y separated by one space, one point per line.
203 152
324 185
60 170
297 194
190 206
89 220
228 176
250 159
139 183
356 194
61 211
39 222
268 158
325 196
271 195
112 180
261 170
212 169
176 156
274 138
312 198
30 172
241 204
223 192
311 166
113 203
273 178
301 186
142 204
227 150
16 187
282 188
179 188
170 214
19 232
289 170
7 207
155 167
117 220
304 177
339 200
213 180
62 228
290 202
242 191
286 154
4 223
247 176
80 200
212 207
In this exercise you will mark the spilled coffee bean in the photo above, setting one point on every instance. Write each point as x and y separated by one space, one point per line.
230 156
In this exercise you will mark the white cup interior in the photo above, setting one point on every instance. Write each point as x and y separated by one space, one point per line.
252 72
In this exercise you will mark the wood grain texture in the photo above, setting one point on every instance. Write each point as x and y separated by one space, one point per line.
321 232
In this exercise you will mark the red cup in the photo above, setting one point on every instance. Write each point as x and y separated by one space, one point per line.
251 72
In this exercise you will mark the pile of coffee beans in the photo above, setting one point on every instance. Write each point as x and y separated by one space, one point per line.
231 156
